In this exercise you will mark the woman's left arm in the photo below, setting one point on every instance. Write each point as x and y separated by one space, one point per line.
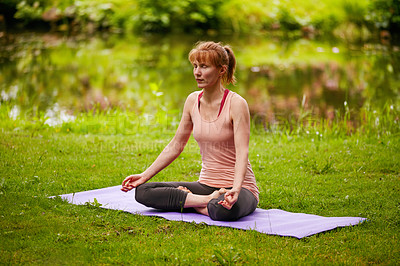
241 130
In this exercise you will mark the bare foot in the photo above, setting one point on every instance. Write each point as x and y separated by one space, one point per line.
214 195
184 189
217 193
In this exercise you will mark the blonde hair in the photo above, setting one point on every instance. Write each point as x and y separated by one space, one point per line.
218 55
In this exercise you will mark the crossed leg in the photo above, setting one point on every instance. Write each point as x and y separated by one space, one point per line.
167 196
175 196
200 202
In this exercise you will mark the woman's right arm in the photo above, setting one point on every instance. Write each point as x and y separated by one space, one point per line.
170 152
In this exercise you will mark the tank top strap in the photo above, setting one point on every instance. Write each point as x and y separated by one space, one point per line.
222 101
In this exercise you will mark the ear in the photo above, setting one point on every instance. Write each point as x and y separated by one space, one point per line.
222 70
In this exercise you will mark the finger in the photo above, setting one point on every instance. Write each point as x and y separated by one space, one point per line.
221 202
128 178
228 195
225 204
229 200
125 180
126 188
232 200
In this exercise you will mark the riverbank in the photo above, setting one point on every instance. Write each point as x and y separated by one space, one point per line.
325 175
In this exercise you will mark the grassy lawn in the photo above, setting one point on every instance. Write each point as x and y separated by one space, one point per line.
329 176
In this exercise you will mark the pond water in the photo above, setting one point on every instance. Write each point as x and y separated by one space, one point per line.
45 73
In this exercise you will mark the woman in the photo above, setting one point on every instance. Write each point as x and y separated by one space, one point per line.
220 121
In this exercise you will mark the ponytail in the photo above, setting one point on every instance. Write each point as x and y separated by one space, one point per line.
229 77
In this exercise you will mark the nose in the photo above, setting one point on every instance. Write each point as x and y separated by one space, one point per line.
196 71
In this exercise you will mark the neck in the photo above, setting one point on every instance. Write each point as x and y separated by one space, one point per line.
212 93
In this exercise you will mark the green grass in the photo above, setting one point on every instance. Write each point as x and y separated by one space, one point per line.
329 175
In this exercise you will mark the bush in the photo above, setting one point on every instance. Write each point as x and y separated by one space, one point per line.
184 15
191 16
385 14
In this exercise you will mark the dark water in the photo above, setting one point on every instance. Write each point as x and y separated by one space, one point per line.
45 73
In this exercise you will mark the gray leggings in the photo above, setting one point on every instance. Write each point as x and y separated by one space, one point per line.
166 196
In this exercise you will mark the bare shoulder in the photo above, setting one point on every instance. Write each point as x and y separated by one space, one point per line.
238 103
192 97
191 100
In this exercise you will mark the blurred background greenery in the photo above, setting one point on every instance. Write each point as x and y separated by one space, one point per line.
189 16
322 59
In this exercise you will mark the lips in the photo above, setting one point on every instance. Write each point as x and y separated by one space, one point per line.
199 80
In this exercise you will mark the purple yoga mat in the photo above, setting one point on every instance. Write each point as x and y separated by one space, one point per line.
273 221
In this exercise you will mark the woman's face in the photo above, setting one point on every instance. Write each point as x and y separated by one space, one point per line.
206 74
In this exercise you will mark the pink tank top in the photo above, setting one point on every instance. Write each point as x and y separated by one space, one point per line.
217 149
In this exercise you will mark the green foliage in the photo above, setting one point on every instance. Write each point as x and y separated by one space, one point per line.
94 204
77 16
189 16
355 12
385 14
287 20
247 17
29 11
183 15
